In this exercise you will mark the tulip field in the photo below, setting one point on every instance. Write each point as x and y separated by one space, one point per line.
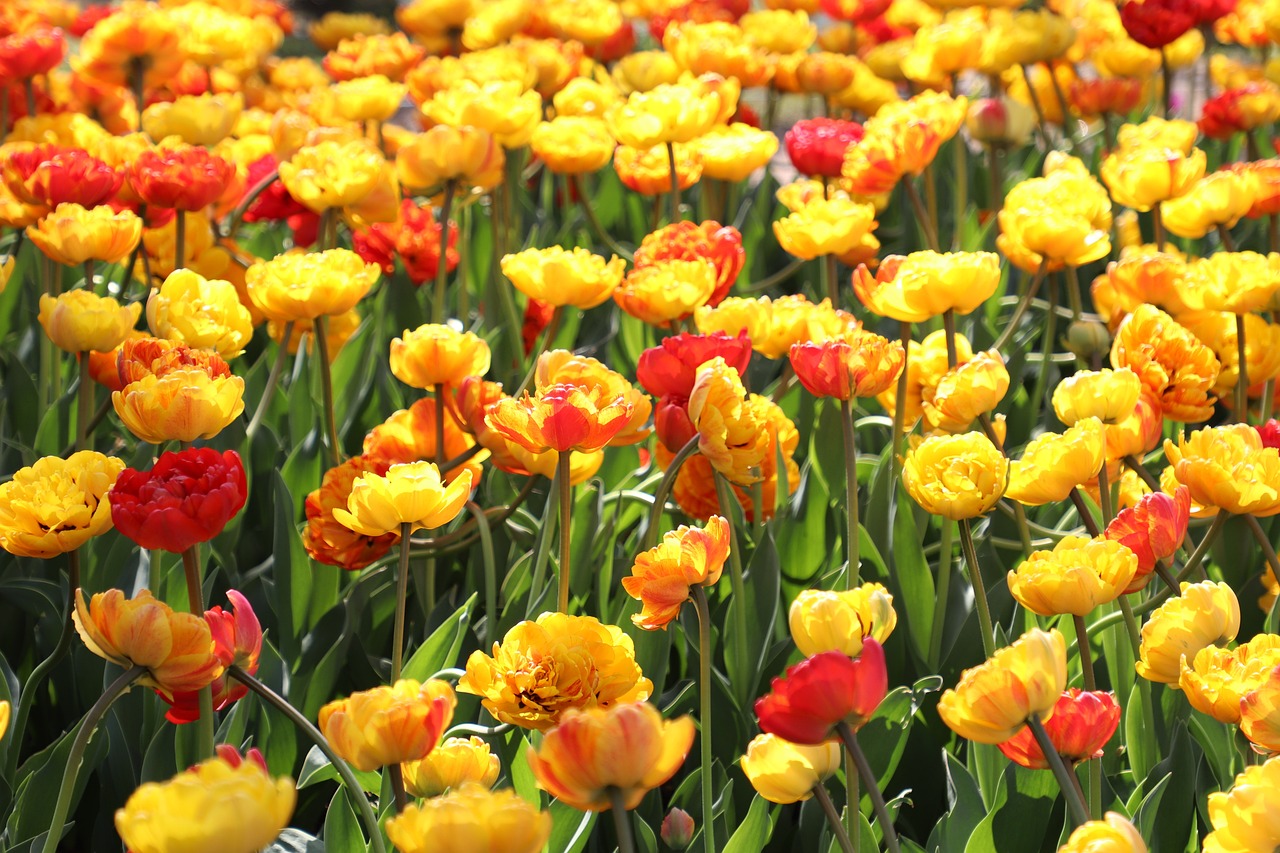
578 426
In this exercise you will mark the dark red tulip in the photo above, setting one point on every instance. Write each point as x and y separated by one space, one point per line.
186 498
817 695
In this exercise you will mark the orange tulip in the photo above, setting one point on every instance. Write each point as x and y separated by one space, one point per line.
388 725
662 576
561 417
861 364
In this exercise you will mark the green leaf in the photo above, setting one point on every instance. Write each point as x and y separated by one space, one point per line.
913 577
966 808
440 651
1017 823
744 660
317 768
570 828
754 831
296 841
341 827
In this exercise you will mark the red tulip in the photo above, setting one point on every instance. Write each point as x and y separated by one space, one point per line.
672 367
274 203
28 54
817 146
185 177
1270 432
1153 529
816 695
1082 722
186 498
1157 23
237 640
692 241
855 11
537 316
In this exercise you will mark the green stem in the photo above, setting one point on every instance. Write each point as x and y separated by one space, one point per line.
979 588
1104 495
1073 293
1086 517
76 755
946 561
599 230
195 602
900 402
442 268
725 496
326 387
922 215
850 739
1166 77
1086 654
852 539
1135 465
832 284
237 215
84 404
1268 550
1242 380
1022 306
354 791
566 521
949 327
273 380
180 240
664 489
553 328
833 818
1041 121
1157 223
543 542
398 793
704 715
490 571
674 196
402 599
1075 803
1198 555
622 821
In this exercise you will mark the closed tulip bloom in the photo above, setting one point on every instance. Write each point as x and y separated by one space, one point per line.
573 145
922 285
1215 680
1228 467
564 277
1075 577
785 772
1260 713
1108 395
828 620
80 320
662 577
666 290
205 119
372 98
1217 200
215 807
667 113
436 354
57 505
1237 282
1113 834
964 392
182 405
956 476
728 423
1176 368
456 762
201 313
820 693
467 156
825 227
185 177
1153 529
471 819
298 286
994 700
185 499
1205 614
176 649
1052 465
648 170
1244 817
411 493
1143 176
544 667
593 752
1081 723
861 364
817 146
72 234
1060 220
388 725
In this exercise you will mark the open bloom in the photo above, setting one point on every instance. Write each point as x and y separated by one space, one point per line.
1108 395
663 291
1205 614
546 666
412 493
183 404
72 234
786 772
437 354
304 286
218 806
176 649
327 540
858 364
237 641
333 174
1081 723
467 157
469 819
561 417
627 747
200 312
185 177
729 423
1215 680
1075 577
831 620
1052 465
1244 817
1153 529
558 276
669 371
662 576
1229 468
1176 368
186 498
1062 219
825 227
822 692
1113 834
81 320
56 505
994 700
690 241
974 386
455 762
926 284
1260 713
388 725
956 476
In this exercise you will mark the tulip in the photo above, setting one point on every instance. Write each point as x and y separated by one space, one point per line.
1108 395
327 540
332 174
391 55
728 423
817 146
1080 724
924 285
823 621
1173 365
205 119
502 108
861 364
1216 680
388 725
785 772
559 277
56 505
410 495
1114 834
185 499
72 234
1243 817
80 320
1260 713
1153 529
825 227
184 177
666 290
201 313
687 241
1227 467
1205 614
237 640
433 355
823 692
573 145
1053 465
294 287
454 763
467 157
957 477
471 819
663 576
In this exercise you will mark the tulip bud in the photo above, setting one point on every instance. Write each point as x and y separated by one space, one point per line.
1087 338
1000 121
677 829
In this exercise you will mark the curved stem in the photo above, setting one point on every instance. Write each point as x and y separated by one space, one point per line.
1041 121
833 817
442 266
793 266
664 489
621 821
326 386
84 403
852 538
1021 309
979 588
402 598
1137 467
398 792
273 379
1075 803
566 520
1086 516
1268 550
604 236
548 336
850 739
704 715
922 215
674 196
354 791
76 755
1198 555
237 215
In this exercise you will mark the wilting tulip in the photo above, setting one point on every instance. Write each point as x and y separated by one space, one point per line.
824 692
